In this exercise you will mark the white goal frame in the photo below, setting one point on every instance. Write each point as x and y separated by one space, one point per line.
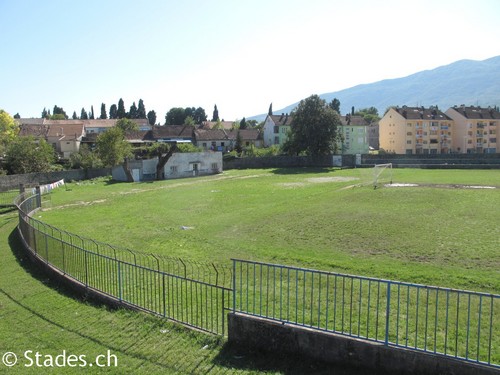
378 169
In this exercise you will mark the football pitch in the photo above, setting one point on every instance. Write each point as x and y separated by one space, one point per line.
435 227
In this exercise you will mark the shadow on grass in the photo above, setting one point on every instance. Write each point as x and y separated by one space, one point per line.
41 275
232 356
303 170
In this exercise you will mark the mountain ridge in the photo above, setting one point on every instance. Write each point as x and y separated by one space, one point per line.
469 82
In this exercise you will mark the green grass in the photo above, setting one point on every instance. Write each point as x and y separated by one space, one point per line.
39 315
304 217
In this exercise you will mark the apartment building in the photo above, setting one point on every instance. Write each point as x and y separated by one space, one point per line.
416 130
354 131
475 129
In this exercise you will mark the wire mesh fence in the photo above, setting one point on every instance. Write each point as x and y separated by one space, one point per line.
455 323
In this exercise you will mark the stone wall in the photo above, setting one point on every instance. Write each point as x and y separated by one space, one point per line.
32 179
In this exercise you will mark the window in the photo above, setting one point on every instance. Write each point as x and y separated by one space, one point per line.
434 141
493 140
283 130
173 169
409 133
408 142
215 166
205 145
222 144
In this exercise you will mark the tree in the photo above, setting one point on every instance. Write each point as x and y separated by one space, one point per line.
74 117
17 115
165 152
152 118
215 116
314 128
103 115
335 105
84 159
127 125
112 148
91 115
113 111
141 110
45 114
199 115
270 112
175 116
238 146
27 155
243 124
133 111
8 129
370 115
120 112
58 111
83 114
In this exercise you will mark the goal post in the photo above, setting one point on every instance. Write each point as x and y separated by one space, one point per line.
382 173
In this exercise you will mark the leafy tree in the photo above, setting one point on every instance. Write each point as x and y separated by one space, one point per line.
335 105
83 114
215 115
112 148
27 155
199 115
17 115
120 112
103 115
8 129
74 117
127 125
152 117
370 114
113 111
84 159
270 112
91 115
314 128
141 110
189 121
175 116
133 111
59 116
45 114
59 111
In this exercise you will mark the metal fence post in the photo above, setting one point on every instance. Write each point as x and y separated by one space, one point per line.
234 286
387 313
38 197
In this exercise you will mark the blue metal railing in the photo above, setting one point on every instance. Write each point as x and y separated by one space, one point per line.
450 322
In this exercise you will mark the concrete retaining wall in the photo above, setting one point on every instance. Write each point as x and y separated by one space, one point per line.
262 334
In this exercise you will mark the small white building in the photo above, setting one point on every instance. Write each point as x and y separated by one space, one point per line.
180 165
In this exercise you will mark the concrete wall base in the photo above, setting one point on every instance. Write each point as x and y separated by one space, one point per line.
263 334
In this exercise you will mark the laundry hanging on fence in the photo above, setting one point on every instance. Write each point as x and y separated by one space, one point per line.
44 189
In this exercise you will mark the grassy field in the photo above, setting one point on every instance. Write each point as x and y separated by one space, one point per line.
40 316
316 218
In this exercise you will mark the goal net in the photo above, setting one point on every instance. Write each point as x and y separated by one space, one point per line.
382 174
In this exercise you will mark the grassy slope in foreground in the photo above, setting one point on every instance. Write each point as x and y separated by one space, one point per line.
445 237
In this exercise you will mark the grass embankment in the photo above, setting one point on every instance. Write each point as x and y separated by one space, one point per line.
311 218
40 316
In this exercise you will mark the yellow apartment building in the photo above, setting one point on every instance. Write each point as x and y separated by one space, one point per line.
475 129
416 130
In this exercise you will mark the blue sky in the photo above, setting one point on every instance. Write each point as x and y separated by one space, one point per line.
240 55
